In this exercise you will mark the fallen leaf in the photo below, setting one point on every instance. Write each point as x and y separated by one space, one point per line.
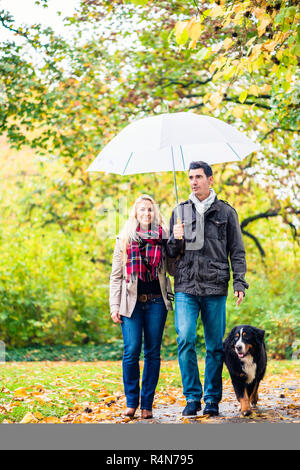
20 392
29 418
50 419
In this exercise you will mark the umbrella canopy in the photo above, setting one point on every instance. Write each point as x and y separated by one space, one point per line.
169 142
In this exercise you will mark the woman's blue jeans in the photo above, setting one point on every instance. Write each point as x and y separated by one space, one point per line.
148 318
213 315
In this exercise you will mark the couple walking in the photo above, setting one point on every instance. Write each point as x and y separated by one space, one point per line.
196 252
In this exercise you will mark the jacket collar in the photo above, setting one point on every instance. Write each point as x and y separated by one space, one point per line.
214 207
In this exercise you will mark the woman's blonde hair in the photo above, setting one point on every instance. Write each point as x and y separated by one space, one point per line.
128 233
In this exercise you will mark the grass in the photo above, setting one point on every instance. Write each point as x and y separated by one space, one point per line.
54 389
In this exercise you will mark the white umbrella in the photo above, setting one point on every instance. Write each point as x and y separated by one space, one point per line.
169 142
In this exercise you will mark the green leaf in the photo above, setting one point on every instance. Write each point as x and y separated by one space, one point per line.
137 2
182 37
296 50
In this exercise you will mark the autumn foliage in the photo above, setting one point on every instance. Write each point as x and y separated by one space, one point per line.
235 60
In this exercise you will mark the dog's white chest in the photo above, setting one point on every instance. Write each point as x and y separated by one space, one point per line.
249 367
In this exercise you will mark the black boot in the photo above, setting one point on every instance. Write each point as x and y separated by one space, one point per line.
191 408
211 409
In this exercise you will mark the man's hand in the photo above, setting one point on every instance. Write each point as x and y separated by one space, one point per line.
178 231
240 295
116 317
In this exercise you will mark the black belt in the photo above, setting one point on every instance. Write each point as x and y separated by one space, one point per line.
147 297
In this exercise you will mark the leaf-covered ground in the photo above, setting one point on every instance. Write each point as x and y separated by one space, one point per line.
64 392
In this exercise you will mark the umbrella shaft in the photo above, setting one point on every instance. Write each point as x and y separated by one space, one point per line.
174 175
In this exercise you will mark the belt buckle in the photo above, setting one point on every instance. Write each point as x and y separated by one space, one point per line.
143 298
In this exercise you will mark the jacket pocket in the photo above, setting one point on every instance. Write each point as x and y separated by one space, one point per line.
222 269
216 229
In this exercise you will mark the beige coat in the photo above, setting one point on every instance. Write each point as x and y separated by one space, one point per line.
122 294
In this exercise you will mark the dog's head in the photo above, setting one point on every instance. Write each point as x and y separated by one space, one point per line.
244 339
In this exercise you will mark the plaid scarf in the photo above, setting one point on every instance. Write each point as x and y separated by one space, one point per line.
144 255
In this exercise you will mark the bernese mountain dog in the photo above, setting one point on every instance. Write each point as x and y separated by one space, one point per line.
246 359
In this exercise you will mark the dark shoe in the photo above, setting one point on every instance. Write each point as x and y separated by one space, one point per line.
130 412
146 414
191 408
211 409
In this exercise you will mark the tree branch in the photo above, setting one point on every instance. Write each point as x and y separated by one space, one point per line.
277 129
262 215
10 28
260 248
185 84
226 98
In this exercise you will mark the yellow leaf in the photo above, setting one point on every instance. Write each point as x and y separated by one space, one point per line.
270 45
263 25
258 12
29 418
95 385
257 64
216 99
180 30
185 420
216 11
253 90
109 399
192 44
194 30
20 392
126 419
50 419
238 112
249 43
172 400
256 51
227 43
213 67
243 96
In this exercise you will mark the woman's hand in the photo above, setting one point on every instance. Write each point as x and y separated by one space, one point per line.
116 317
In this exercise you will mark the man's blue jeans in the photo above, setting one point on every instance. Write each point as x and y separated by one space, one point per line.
213 315
150 318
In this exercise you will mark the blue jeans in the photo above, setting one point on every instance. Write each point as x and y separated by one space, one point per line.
213 315
148 317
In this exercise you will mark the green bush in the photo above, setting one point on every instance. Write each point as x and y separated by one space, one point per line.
54 291
273 306
51 291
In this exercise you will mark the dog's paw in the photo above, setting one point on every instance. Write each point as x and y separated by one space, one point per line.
246 412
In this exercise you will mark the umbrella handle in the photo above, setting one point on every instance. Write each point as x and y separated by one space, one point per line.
179 223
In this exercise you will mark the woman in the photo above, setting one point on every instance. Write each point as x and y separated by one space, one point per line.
138 299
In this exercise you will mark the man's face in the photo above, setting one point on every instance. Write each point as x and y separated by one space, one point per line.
200 183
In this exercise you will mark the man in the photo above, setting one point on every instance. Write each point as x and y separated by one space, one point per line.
208 234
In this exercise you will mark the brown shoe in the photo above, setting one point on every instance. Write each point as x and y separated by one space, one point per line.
130 412
146 414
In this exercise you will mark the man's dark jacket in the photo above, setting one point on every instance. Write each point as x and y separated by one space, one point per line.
206 271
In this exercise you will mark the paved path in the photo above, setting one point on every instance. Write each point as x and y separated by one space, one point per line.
275 405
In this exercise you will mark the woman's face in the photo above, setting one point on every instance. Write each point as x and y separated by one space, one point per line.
145 213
